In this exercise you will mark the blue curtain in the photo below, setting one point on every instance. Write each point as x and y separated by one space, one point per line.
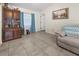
32 23
22 22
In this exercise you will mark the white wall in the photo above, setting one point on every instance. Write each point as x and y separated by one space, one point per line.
57 25
0 24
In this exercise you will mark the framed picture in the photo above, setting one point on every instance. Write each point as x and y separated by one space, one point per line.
61 13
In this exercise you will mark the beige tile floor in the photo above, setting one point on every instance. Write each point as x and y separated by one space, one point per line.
35 44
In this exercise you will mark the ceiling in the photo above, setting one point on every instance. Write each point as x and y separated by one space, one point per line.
32 6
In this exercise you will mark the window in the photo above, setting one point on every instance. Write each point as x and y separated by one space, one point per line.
27 21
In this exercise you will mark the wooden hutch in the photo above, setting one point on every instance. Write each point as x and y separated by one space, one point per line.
10 24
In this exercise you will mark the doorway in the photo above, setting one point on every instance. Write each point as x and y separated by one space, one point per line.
42 22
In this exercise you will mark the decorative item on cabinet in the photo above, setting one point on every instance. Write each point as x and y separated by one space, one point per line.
5 5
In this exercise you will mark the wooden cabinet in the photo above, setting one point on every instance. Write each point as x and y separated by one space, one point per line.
10 24
7 34
17 33
15 13
16 17
7 13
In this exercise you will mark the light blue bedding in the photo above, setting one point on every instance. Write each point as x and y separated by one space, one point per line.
71 31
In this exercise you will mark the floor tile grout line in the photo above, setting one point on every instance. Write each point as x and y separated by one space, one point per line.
45 42
40 48
33 39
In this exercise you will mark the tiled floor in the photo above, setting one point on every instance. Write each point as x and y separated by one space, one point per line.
35 44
